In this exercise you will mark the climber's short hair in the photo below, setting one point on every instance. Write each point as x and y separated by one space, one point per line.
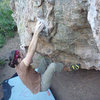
14 55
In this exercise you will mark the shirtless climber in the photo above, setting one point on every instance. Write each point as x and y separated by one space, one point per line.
35 81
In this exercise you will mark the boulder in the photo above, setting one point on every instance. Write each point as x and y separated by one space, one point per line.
71 32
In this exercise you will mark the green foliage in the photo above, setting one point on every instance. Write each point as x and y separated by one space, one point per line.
6 21
2 62
2 40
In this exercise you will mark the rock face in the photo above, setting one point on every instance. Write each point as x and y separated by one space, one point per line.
71 33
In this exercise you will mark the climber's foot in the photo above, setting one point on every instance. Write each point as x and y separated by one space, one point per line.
75 67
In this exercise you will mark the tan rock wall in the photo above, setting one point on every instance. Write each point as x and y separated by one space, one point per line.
68 35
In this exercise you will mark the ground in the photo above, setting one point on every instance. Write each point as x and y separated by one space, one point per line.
80 85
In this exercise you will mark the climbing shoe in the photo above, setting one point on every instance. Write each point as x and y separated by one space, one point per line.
75 67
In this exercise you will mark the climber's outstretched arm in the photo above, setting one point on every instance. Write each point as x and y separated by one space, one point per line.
33 44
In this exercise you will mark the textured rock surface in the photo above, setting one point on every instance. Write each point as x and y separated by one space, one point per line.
94 19
71 33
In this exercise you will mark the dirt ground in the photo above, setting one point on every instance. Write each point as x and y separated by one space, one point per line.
80 85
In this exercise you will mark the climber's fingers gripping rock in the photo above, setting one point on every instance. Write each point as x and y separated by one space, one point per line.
38 28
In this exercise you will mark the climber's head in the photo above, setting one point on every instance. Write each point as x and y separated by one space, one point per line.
15 58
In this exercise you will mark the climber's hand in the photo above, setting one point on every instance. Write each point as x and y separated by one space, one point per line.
38 28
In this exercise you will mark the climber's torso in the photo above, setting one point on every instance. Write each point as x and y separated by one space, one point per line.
29 77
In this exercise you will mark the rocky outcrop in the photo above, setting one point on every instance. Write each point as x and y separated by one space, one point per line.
71 33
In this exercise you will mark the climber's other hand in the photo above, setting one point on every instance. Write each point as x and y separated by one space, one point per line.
39 27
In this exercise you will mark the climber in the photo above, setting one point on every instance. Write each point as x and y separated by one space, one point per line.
35 81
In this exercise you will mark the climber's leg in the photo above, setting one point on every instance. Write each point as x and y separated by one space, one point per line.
43 65
46 78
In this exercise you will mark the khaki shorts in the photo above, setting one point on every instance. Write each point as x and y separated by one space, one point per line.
47 68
